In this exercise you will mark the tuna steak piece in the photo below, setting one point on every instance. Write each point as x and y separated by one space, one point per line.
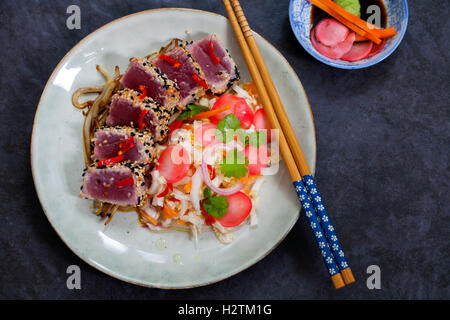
121 184
188 75
136 146
158 86
127 109
217 65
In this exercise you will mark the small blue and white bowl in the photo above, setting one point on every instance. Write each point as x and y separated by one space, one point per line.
300 18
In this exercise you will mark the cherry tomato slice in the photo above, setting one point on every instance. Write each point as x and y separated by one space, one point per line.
258 158
205 134
239 108
174 163
261 122
239 207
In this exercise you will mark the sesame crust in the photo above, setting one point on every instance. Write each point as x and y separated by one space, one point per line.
160 113
171 87
144 137
137 171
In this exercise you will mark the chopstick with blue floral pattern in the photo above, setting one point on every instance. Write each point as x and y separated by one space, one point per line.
293 157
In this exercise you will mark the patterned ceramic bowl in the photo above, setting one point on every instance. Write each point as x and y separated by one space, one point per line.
300 18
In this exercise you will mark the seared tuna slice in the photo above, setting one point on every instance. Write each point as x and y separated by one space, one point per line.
188 76
127 109
121 184
135 145
217 65
158 86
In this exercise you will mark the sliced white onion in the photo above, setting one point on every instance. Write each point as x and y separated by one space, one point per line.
158 202
181 195
151 211
211 102
155 182
195 189
183 181
184 206
241 92
205 173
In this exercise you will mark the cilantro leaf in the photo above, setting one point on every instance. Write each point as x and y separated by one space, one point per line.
234 165
214 206
207 192
191 111
226 127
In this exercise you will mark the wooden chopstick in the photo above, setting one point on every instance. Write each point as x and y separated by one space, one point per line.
311 188
296 177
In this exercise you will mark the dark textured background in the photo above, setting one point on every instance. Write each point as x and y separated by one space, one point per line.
383 161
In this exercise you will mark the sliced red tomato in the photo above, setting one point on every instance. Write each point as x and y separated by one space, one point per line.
239 108
258 158
205 134
174 163
261 122
239 207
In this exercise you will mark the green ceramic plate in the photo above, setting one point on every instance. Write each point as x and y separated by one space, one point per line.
123 249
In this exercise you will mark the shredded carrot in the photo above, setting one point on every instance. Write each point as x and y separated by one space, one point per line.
343 17
168 212
147 217
251 89
247 181
187 127
210 113
372 32
187 187
359 38
389 32
181 222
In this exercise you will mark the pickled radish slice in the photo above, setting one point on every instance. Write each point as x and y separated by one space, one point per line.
330 32
174 163
239 108
358 51
205 134
337 51
258 158
376 48
261 122
239 207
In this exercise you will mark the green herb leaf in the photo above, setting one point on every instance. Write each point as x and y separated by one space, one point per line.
352 6
216 206
191 111
234 165
207 192
226 127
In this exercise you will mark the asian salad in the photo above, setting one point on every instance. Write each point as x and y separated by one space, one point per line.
177 139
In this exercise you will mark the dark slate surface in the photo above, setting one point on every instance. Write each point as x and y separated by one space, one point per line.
383 164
